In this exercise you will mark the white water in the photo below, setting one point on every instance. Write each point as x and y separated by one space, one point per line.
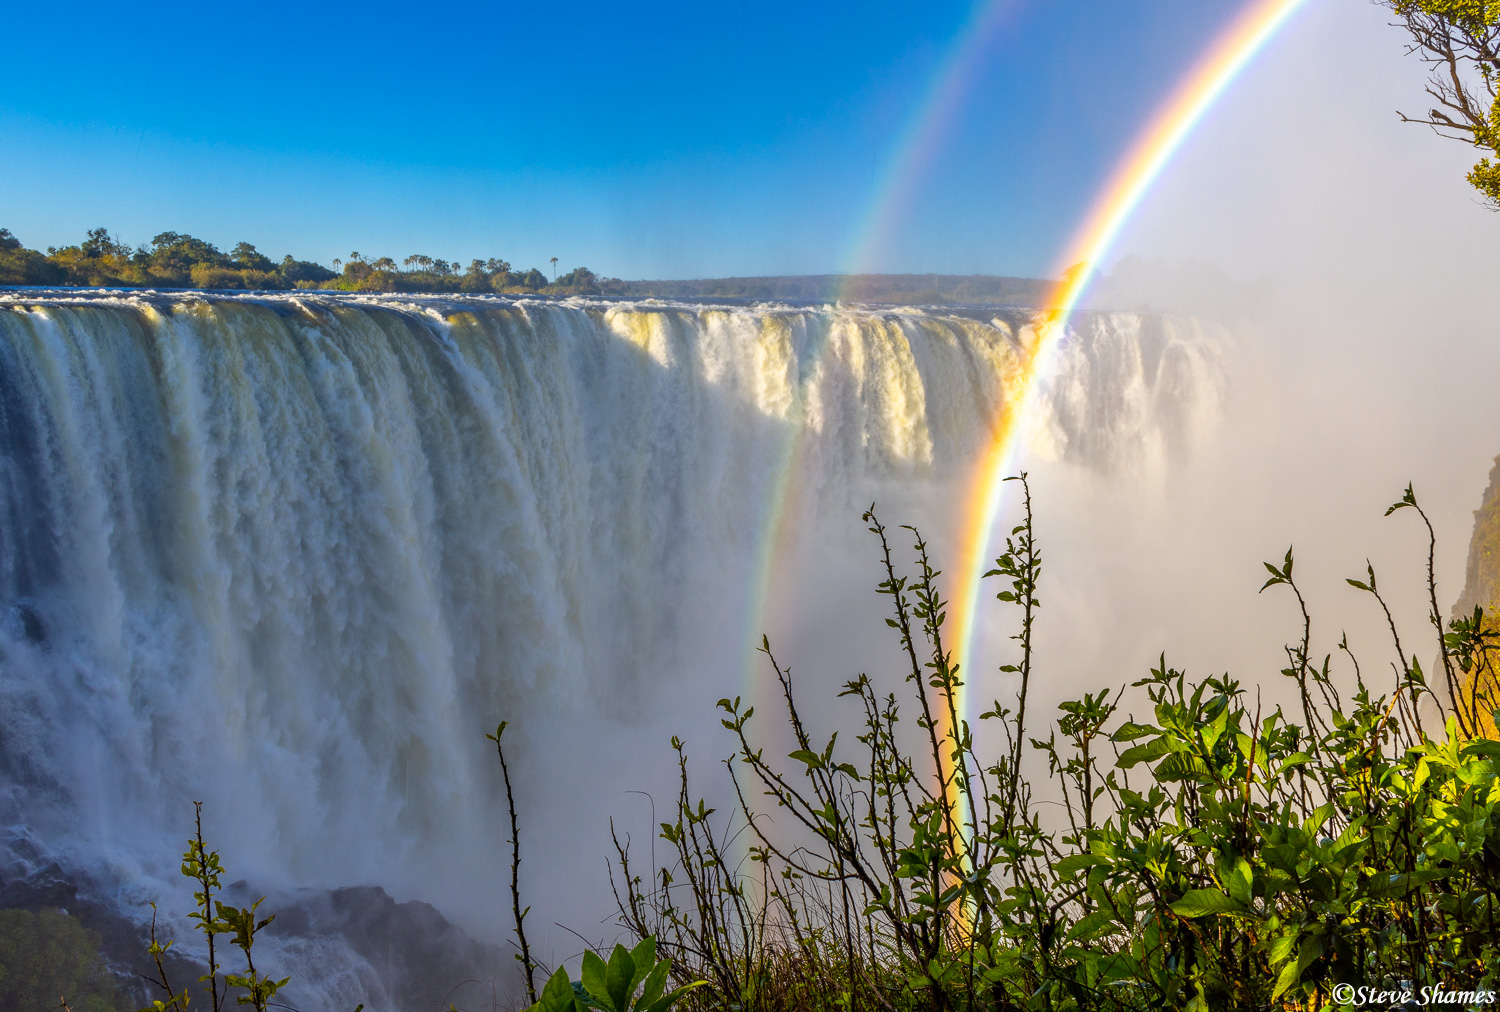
295 556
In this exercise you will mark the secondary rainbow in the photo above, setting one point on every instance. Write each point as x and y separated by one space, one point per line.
921 139
892 195
1128 184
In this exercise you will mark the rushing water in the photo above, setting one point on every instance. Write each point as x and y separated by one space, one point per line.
295 555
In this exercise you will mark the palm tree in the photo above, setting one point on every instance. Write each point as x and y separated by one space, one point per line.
554 268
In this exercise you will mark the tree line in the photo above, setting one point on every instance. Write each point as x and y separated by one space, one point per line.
176 260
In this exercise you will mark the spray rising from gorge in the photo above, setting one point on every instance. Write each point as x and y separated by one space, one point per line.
302 553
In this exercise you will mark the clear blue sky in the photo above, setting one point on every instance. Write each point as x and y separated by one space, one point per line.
659 139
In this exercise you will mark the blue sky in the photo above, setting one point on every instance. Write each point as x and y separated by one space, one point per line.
642 140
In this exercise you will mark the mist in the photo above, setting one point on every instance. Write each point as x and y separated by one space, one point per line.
593 544
1355 265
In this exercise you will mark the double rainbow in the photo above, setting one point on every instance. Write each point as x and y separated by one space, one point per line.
1230 53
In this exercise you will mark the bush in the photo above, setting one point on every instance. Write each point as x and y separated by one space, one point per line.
1215 857
215 919
47 954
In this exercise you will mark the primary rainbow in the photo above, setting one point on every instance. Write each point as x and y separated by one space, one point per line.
1133 176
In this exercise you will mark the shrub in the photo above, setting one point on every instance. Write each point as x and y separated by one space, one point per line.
1214 857
46 955
214 918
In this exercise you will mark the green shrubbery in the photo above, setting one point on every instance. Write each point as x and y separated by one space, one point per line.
213 918
46 955
633 980
1220 854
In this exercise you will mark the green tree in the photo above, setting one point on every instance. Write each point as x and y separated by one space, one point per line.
173 251
22 266
293 269
580 278
247 258
475 278
48 954
1459 40
101 244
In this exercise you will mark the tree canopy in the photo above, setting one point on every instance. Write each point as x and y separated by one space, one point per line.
178 260
1459 40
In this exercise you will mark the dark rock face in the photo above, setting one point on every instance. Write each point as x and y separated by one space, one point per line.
122 940
423 960
1482 574
388 955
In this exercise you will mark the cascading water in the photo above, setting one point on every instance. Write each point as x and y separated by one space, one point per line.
296 555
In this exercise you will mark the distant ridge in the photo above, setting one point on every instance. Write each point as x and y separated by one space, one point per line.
901 289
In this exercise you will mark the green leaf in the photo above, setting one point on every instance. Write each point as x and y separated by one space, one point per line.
671 998
1130 731
1240 882
1309 952
1151 750
1181 767
643 956
656 980
1287 979
594 978
618 976
1204 903
1486 747
557 995
1077 862
1091 925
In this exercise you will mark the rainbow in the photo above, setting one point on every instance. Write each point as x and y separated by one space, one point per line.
1230 53
916 144
921 138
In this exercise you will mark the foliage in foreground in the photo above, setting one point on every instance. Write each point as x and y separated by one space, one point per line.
633 980
1218 853
215 918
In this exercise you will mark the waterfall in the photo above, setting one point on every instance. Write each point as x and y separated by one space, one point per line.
295 555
